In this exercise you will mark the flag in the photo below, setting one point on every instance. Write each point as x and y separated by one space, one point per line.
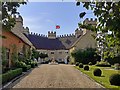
57 27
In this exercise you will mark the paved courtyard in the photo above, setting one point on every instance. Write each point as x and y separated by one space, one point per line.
56 76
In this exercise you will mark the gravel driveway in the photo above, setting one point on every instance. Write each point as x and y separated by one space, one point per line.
56 76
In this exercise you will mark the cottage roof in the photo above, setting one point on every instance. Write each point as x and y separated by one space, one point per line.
19 33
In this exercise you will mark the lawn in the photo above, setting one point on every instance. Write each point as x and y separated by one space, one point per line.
104 78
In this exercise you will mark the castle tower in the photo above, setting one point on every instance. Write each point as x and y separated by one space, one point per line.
19 19
78 32
51 35
26 30
19 23
90 21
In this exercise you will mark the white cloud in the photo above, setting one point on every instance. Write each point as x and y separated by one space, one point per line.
50 21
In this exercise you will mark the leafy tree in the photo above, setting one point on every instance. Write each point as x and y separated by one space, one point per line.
108 14
85 56
9 10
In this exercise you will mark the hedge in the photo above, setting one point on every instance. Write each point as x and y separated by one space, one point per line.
6 77
103 64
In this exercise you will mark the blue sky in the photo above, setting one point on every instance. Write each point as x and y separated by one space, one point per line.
42 17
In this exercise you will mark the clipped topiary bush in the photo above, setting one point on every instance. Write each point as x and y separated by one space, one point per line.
77 64
97 72
86 68
115 79
80 65
90 63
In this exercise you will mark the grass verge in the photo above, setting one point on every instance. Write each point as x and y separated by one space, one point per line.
104 78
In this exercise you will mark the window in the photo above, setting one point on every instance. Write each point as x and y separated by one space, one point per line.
66 52
52 52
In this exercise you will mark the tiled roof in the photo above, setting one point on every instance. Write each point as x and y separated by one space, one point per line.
68 41
41 42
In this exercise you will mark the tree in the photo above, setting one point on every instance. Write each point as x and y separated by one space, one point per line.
43 56
85 56
9 10
108 14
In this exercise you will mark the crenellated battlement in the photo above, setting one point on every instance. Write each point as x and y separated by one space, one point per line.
66 36
90 21
41 35
51 35
51 32
19 18
78 32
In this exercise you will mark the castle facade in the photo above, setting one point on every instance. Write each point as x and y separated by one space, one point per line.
57 47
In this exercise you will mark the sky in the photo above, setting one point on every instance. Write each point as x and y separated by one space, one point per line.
41 17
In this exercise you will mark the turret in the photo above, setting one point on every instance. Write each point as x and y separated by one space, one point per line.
51 35
90 22
19 19
26 30
78 32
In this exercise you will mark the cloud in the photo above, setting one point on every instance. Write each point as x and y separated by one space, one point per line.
50 21
32 19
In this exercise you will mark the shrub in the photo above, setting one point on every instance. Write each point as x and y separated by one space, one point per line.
90 63
80 65
103 64
32 64
117 66
21 65
10 75
97 72
77 64
86 68
36 64
115 79
28 67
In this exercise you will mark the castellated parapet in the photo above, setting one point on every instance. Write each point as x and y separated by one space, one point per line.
26 30
36 34
66 36
51 35
90 21
19 19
